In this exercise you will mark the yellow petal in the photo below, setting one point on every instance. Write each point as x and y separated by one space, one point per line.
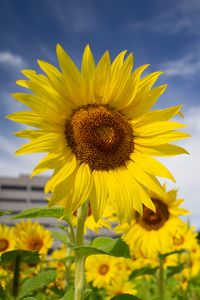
43 143
144 178
83 186
152 166
60 174
161 139
99 198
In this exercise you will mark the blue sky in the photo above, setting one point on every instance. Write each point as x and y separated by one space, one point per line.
165 34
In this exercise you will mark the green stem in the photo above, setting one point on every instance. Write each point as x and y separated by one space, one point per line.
161 282
80 258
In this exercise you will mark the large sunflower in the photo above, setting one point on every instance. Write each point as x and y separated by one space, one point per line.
7 239
152 232
97 129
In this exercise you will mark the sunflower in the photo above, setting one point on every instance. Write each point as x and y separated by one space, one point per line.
101 270
151 233
119 287
90 222
7 239
184 238
33 236
98 132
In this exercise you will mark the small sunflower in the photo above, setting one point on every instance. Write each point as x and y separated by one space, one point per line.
120 286
184 238
90 222
98 132
7 239
33 236
101 270
151 233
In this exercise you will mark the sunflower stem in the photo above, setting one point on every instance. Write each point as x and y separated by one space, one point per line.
80 258
161 282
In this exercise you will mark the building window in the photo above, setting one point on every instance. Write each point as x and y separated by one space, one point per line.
13 187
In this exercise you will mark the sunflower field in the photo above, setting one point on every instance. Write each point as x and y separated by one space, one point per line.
102 139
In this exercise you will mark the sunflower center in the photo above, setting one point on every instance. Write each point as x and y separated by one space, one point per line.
100 137
177 241
35 244
153 221
103 269
4 244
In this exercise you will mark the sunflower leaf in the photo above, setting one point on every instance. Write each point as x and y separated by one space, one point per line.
172 270
163 256
26 256
36 212
5 212
105 245
143 271
39 281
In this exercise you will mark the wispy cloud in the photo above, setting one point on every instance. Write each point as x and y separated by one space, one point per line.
181 16
75 16
185 66
11 59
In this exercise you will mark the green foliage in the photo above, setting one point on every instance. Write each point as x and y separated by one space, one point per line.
163 256
172 270
37 212
125 297
5 212
105 245
61 237
143 271
26 256
39 281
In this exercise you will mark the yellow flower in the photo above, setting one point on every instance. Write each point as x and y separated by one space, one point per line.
99 134
184 238
151 232
101 270
7 239
55 262
4 277
33 236
90 222
120 286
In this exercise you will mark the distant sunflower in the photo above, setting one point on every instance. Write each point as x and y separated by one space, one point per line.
33 236
151 233
97 129
7 239
90 222
120 286
101 270
184 238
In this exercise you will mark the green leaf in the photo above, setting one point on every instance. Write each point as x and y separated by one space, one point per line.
86 293
25 256
61 237
29 298
163 256
125 297
143 271
39 281
2 294
5 212
172 270
69 295
36 212
105 245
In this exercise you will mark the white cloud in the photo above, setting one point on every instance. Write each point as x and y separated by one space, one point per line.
186 168
11 59
187 65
